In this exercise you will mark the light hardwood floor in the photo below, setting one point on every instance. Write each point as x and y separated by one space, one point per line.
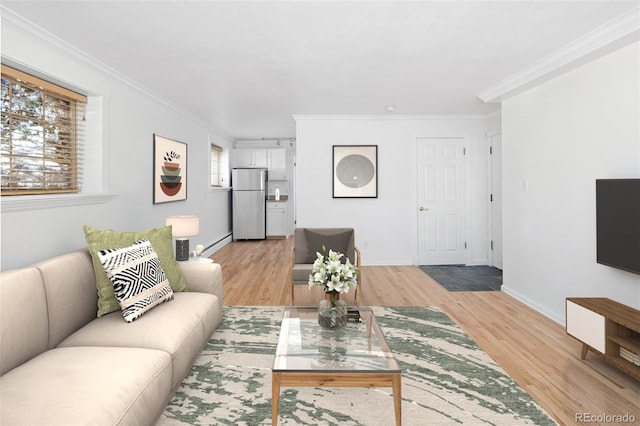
534 350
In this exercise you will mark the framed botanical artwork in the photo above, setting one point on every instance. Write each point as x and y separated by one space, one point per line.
355 171
169 170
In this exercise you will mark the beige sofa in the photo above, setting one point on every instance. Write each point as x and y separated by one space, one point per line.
60 365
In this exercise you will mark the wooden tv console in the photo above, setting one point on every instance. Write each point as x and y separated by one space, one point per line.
608 328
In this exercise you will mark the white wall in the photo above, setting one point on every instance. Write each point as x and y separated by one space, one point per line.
131 117
386 227
560 137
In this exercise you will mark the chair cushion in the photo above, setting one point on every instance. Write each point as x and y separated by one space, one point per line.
338 240
301 272
162 242
139 283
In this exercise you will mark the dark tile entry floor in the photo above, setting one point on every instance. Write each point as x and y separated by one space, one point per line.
465 278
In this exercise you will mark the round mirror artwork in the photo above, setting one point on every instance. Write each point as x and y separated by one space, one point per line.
355 171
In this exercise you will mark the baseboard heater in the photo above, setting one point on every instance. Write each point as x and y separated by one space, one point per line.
219 241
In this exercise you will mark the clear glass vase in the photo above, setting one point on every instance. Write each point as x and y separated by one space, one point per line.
332 312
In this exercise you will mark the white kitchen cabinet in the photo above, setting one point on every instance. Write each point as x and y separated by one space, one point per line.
277 164
250 158
276 219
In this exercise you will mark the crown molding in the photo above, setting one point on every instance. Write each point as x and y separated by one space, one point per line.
29 30
617 33
390 117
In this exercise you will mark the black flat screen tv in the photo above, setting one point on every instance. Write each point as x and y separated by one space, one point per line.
618 223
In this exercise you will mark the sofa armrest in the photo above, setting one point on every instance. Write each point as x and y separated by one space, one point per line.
203 277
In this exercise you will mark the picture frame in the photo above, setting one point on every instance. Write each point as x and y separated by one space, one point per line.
169 170
355 171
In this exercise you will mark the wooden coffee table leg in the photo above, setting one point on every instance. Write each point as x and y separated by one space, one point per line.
397 397
276 378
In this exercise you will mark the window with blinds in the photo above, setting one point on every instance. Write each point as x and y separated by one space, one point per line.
216 165
42 131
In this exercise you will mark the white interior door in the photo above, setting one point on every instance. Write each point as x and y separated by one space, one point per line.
495 144
441 201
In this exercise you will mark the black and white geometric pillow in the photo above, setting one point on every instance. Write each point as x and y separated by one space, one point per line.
139 282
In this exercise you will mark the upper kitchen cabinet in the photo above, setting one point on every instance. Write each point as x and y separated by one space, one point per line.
250 158
277 164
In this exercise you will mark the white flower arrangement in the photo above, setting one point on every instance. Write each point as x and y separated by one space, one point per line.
330 273
199 249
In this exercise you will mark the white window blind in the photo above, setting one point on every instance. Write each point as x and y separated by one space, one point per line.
216 160
42 132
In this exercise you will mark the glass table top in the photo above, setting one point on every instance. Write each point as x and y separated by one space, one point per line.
304 346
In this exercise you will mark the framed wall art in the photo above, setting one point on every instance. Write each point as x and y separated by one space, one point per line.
169 170
355 171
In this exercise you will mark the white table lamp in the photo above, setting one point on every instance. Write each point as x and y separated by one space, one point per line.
183 227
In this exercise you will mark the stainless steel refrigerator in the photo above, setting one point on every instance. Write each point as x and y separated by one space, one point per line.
249 204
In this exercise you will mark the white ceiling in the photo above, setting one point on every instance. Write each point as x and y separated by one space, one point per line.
246 67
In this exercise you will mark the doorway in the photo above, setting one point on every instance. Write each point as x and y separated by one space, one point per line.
495 167
441 201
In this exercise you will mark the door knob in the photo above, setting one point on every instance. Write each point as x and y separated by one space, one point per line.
423 209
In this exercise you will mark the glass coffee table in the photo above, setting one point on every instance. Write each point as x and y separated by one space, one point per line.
353 356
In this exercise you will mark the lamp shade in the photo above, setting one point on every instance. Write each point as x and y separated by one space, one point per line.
184 226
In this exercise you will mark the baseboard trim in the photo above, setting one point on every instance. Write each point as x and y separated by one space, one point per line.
533 305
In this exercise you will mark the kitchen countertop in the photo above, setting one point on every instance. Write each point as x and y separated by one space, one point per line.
273 198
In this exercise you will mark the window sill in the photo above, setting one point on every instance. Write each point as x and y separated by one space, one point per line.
220 188
37 202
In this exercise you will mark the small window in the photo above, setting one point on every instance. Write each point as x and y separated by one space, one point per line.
216 165
42 129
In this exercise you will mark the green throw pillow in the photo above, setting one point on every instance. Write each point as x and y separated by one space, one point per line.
162 243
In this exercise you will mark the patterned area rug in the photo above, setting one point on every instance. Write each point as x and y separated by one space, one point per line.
446 379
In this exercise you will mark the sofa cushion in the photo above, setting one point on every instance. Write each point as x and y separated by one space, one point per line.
87 385
180 328
23 317
139 283
70 288
338 240
162 243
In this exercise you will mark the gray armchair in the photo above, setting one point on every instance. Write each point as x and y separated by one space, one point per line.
308 241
